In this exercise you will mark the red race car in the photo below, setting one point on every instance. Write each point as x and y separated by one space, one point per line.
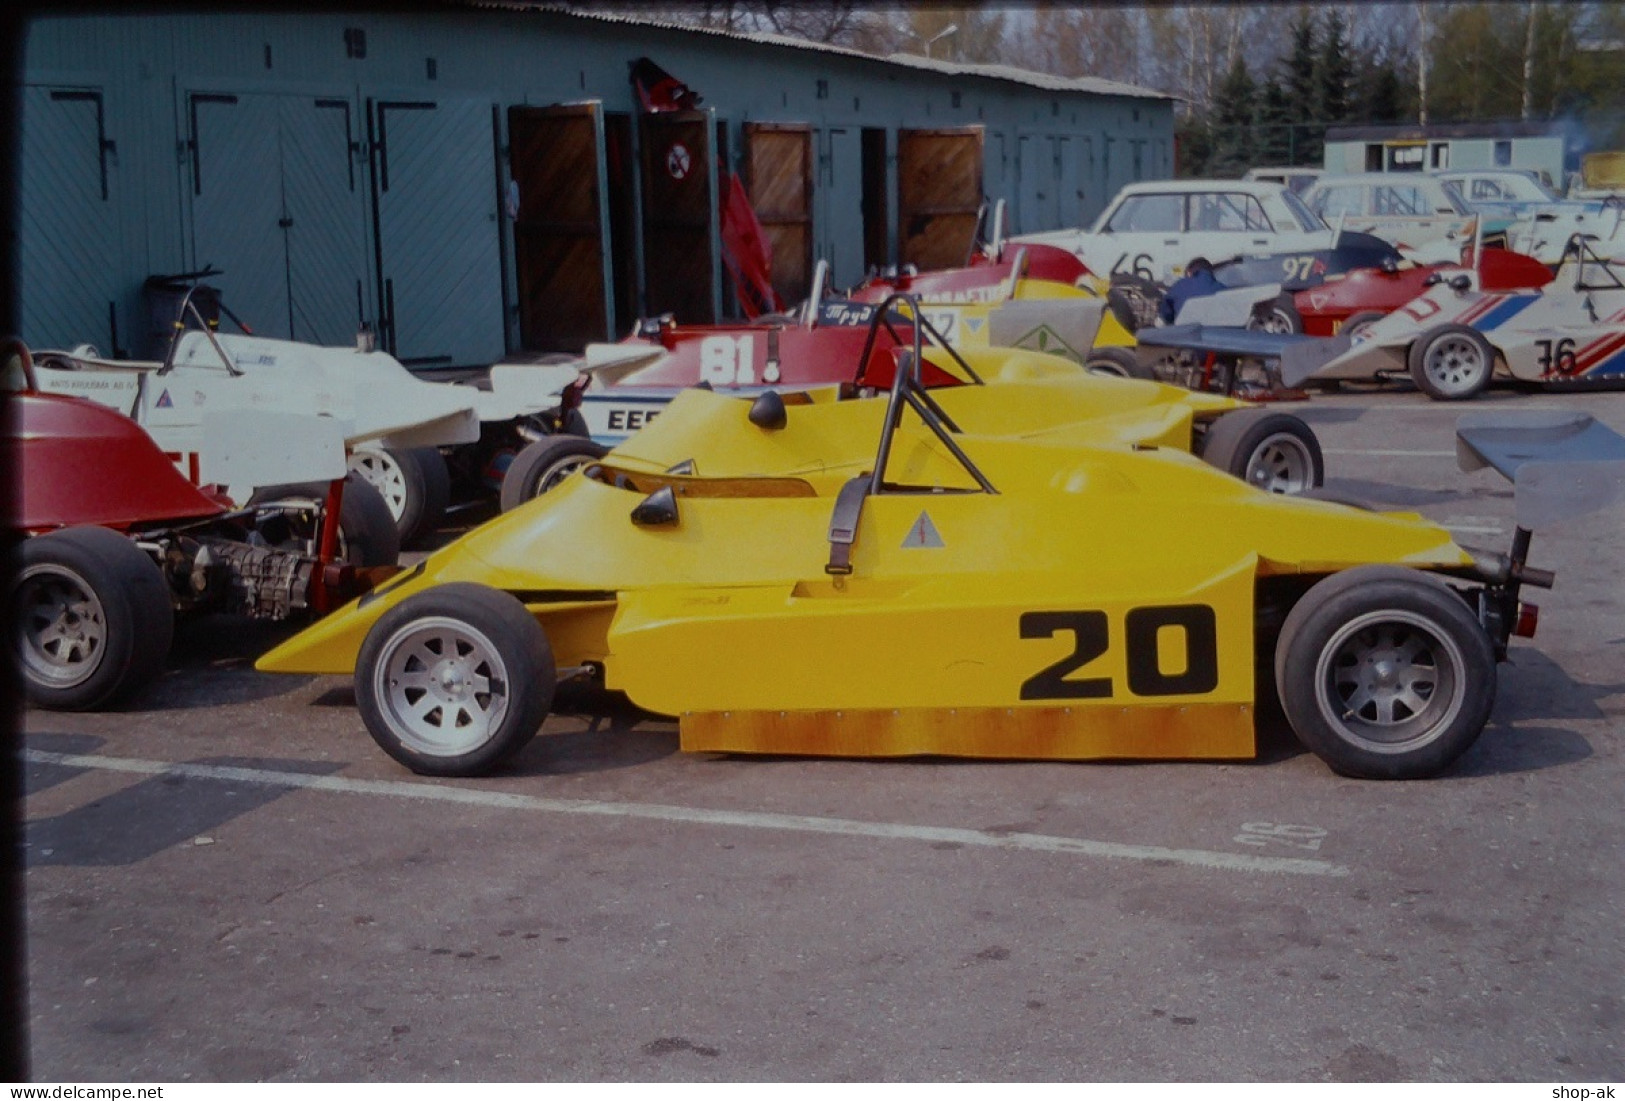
120 543
1365 294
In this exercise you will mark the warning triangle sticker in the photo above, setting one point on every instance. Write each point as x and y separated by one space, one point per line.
164 401
1046 339
923 533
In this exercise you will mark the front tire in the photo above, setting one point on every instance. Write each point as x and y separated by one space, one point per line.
1275 452
1278 316
413 482
1451 362
1385 673
92 618
544 464
455 680
1358 321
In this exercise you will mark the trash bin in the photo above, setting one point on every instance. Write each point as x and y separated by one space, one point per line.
165 295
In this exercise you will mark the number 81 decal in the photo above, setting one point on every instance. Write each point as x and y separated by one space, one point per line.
1091 639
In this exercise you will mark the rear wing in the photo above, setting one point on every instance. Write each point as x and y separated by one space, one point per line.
1561 463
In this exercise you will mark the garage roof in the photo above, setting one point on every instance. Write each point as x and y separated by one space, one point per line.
1008 73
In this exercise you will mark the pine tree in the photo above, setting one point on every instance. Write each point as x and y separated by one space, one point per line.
1300 82
1233 145
1334 71
1275 118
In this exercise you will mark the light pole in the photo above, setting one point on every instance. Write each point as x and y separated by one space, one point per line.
938 37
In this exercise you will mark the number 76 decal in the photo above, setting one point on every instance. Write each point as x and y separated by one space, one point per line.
1091 639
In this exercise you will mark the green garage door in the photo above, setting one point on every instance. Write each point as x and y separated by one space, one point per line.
66 235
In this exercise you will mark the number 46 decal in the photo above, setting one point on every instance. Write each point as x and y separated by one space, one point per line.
1091 635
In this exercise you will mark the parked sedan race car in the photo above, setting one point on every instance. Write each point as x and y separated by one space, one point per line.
1453 339
120 544
951 593
1413 211
1150 231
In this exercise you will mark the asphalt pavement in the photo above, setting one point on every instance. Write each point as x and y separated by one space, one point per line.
227 880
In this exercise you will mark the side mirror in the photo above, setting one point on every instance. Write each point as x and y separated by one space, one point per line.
1433 279
659 509
768 412
1389 265
1461 282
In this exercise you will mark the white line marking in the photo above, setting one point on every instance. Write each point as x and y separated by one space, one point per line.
406 789
1388 452
1472 529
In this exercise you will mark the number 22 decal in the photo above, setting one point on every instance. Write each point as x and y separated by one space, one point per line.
1091 636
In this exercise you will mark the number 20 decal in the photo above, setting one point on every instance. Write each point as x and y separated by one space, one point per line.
1146 677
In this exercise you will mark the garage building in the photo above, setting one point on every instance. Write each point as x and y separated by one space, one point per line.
478 180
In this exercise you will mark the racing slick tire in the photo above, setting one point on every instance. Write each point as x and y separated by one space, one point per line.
1117 362
543 464
1356 322
455 680
1277 316
368 534
1451 362
91 619
1275 452
413 482
1385 673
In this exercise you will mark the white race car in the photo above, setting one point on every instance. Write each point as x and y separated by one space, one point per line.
1453 339
393 423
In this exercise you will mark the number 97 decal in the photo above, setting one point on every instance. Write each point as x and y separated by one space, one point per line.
1195 624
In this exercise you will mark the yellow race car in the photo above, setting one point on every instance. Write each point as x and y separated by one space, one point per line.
958 590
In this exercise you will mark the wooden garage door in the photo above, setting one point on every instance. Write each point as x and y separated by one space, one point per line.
778 174
680 216
559 252
939 190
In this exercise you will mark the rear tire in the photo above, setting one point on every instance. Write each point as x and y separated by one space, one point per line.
1451 362
1275 452
455 680
368 535
414 483
92 618
1385 673
1117 362
544 464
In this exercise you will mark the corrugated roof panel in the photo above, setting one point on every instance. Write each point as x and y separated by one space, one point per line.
1008 73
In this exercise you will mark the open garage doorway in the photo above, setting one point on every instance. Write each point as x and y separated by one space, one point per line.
939 193
571 167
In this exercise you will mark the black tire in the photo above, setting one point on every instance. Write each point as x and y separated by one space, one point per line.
1275 452
1134 301
92 618
1385 673
541 465
1278 316
1117 362
422 668
1356 321
414 483
368 535
1451 362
